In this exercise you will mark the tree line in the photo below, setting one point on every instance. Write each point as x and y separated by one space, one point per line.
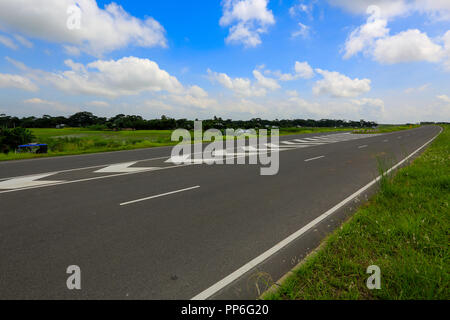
121 121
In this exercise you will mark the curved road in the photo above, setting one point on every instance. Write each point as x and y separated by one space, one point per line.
149 229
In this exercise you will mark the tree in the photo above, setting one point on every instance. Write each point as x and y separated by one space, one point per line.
10 139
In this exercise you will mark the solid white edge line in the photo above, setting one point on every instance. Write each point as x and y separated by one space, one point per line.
316 158
247 267
159 195
364 146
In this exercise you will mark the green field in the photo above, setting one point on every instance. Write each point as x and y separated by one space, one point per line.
404 230
386 129
72 141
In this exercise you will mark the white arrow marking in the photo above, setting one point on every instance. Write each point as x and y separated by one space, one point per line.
123 168
25 182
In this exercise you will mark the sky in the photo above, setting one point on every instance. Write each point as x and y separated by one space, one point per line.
378 60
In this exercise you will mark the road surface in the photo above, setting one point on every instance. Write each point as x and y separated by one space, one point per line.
140 227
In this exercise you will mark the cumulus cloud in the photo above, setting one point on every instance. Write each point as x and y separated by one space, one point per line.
16 81
247 20
446 41
374 39
244 87
193 97
302 70
407 46
444 98
339 85
264 82
364 36
102 30
113 78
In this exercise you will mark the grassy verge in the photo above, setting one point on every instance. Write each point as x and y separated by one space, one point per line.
291 131
404 230
385 129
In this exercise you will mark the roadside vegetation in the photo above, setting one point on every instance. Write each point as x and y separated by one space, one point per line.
385 129
403 230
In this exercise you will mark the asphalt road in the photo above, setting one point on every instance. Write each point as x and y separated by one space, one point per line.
192 226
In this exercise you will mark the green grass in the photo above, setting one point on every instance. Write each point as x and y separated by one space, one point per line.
72 141
404 230
290 131
385 129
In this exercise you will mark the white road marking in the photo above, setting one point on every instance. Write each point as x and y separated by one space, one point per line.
288 142
159 195
264 256
316 158
364 146
386 140
24 182
122 168
300 140
84 168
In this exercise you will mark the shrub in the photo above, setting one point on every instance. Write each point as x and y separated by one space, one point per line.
10 139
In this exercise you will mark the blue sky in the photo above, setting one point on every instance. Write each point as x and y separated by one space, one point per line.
380 60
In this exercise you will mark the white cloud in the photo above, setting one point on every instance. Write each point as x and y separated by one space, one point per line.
113 78
242 87
17 64
8 42
370 108
446 41
192 97
102 30
265 82
444 98
16 81
300 7
339 85
418 89
388 8
23 41
302 70
101 104
412 45
248 20
51 105
364 36
303 32
407 46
